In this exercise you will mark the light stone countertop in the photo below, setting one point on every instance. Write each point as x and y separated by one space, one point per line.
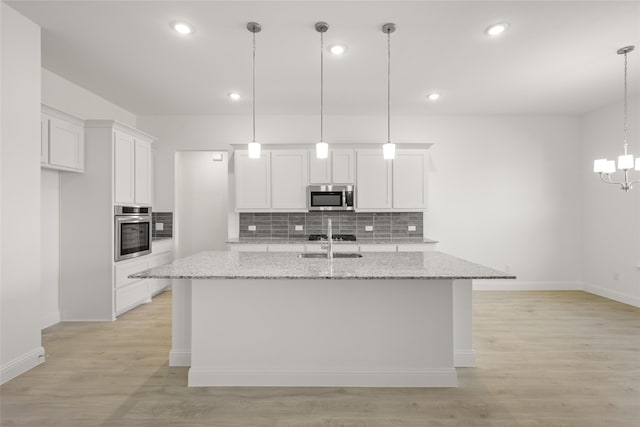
258 241
286 265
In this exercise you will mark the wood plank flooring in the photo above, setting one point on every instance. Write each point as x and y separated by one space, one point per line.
544 359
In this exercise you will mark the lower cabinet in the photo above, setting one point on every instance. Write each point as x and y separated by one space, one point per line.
130 293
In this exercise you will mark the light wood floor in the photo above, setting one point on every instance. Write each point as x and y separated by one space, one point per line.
544 359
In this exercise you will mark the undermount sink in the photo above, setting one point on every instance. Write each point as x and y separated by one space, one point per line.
335 255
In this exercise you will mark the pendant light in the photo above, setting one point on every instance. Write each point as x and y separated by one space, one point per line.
254 147
322 148
625 162
389 149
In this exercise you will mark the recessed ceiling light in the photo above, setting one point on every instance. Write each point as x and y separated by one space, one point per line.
433 96
337 49
182 27
234 96
497 29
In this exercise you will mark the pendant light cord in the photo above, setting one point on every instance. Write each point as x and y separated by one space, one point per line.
254 87
388 87
625 104
321 86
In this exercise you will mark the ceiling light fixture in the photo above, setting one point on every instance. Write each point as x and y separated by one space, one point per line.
322 148
182 28
389 149
234 96
337 49
433 96
497 29
254 147
625 162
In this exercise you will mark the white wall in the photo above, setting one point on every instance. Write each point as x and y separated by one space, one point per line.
610 217
73 99
20 219
503 192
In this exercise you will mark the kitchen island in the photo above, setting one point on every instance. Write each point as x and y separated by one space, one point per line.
274 319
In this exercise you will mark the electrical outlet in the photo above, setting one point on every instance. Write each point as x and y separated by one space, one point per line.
251 228
368 228
411 228
299 228
159 226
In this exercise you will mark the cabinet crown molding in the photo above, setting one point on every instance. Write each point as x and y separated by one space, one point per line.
114 124
61 114
336 145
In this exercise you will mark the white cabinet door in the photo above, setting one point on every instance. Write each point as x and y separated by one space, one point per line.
319 169
289 179
142 187
410 179
342 166
252 181
66 144
44 139
124 168
373 183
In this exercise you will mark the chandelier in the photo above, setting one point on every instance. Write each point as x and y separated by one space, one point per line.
626 161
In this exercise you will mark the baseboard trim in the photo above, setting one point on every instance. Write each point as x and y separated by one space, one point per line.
50 319
613 295
180 358
464 358
519 285
202 377
21 364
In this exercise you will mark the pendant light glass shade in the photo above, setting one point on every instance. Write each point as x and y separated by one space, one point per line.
254 147
322 148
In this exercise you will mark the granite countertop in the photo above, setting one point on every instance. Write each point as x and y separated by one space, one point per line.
287 265
258 241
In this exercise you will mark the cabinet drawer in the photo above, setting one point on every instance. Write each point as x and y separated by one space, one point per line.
286 248
132 295
161 246
416 247
378 248
131 267
161 259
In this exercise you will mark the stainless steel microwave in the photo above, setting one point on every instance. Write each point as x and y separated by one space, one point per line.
330 197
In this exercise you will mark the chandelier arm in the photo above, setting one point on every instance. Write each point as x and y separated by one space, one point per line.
608 179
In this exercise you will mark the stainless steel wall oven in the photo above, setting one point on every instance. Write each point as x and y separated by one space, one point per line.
132 231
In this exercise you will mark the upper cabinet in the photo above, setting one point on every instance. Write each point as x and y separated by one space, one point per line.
278 180
373 183
338 168
62 141
252 181
132 171
410 179
289 179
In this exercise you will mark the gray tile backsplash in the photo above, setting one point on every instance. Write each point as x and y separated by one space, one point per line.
384 225
166 218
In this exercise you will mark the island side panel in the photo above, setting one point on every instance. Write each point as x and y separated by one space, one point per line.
180 354
305 332
464 355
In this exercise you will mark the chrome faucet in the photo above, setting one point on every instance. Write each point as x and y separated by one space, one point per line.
329 245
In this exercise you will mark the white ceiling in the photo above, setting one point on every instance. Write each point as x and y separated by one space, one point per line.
558 57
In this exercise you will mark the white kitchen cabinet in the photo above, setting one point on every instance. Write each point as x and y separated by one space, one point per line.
252 181
373 181
410 179
132 169
342 166
337 168
62 141
161 254
123 168
129 292
289 180
142 173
